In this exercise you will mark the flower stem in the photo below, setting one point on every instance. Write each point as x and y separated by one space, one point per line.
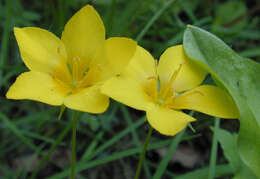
139 167
73 144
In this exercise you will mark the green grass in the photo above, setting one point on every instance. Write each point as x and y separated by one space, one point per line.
109 144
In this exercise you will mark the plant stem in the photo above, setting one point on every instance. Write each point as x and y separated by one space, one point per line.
213 155
139 167
73 144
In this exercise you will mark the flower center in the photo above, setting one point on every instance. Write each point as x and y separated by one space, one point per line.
168 92
163 96
78 71
75 73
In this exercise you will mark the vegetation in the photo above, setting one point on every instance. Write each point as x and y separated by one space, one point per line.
34 142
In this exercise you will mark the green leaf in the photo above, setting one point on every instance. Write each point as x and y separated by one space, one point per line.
228 143
240 77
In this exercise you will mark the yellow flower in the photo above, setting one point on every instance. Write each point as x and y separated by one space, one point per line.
70 70
165 89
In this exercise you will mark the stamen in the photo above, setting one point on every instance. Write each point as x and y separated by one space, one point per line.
90 76
156 81
151 78
157 77
169 99
152 86
99 67
170 84
75 68
194 92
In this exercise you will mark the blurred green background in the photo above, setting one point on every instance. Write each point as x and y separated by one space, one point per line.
109 144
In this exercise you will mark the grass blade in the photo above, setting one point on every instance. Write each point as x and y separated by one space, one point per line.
213 155
162 166
53 147
175 142
153 19
92 146
116 138
19 133
135 138
202 173
89 164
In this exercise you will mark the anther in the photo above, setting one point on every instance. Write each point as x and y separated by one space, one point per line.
99 67
194 92
151 78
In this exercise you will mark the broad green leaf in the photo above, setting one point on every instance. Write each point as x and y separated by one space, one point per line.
228 143
240 77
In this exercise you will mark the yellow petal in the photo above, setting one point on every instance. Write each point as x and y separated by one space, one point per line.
127 91
41 50
88 100
83 34
167 121
189 76
119 52
142 69
209 100
37 86
142 66
113 57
